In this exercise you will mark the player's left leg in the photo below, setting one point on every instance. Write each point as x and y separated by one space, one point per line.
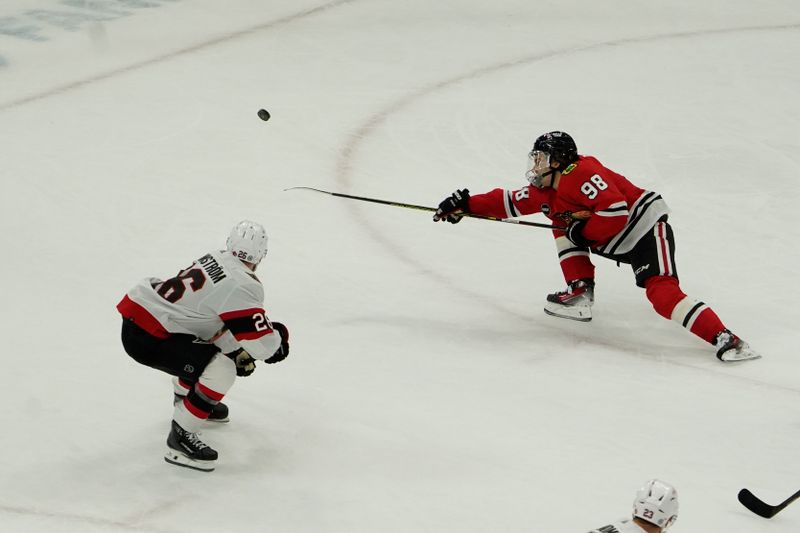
653 263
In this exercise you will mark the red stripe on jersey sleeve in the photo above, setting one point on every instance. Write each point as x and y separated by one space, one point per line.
230 315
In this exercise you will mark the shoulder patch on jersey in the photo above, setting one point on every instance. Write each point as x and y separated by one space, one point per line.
570 168
545 209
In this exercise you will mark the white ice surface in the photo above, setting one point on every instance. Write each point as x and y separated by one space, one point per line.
426 389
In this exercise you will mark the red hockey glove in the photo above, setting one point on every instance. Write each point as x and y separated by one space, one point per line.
448 210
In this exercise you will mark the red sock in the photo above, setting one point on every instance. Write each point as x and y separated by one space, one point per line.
670 302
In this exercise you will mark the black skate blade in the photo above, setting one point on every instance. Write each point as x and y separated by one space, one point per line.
178 459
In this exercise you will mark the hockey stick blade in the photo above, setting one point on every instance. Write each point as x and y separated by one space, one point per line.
764 510
426 208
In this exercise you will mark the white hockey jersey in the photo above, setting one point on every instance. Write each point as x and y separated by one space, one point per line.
217 293
623 526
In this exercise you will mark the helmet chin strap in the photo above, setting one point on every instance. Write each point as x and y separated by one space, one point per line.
550 173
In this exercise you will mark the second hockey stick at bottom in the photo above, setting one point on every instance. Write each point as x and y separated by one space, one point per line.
749 500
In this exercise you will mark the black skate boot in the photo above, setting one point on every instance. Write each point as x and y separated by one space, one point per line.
732 348
574 303
186 449
218 414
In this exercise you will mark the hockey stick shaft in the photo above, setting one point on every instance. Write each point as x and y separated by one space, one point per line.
756 505
426 208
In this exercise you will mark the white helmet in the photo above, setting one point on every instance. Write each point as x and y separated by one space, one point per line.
248 241
656 502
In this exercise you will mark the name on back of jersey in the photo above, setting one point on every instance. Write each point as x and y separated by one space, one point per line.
212 269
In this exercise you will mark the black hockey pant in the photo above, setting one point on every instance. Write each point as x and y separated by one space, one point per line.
184 356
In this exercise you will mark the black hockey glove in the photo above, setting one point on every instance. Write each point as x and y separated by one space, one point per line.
575 234
283 350
245 364
448 210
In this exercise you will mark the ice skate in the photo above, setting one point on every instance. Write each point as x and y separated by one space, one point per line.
574 303
218 414
186 449
732 348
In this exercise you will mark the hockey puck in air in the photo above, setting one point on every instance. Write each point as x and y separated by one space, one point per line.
263 114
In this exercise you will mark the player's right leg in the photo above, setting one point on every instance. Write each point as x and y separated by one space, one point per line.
184 446
575 302
181 389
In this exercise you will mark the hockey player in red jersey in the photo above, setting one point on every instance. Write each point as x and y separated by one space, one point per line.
602 213
205 326
655 509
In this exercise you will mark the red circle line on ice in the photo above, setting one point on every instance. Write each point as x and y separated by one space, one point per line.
222 39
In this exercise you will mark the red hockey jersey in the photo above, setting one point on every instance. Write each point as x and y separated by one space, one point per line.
621 212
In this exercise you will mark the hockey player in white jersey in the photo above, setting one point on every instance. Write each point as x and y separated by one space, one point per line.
204 326
654 510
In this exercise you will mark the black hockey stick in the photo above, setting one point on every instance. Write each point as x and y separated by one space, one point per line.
426 208
749 500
